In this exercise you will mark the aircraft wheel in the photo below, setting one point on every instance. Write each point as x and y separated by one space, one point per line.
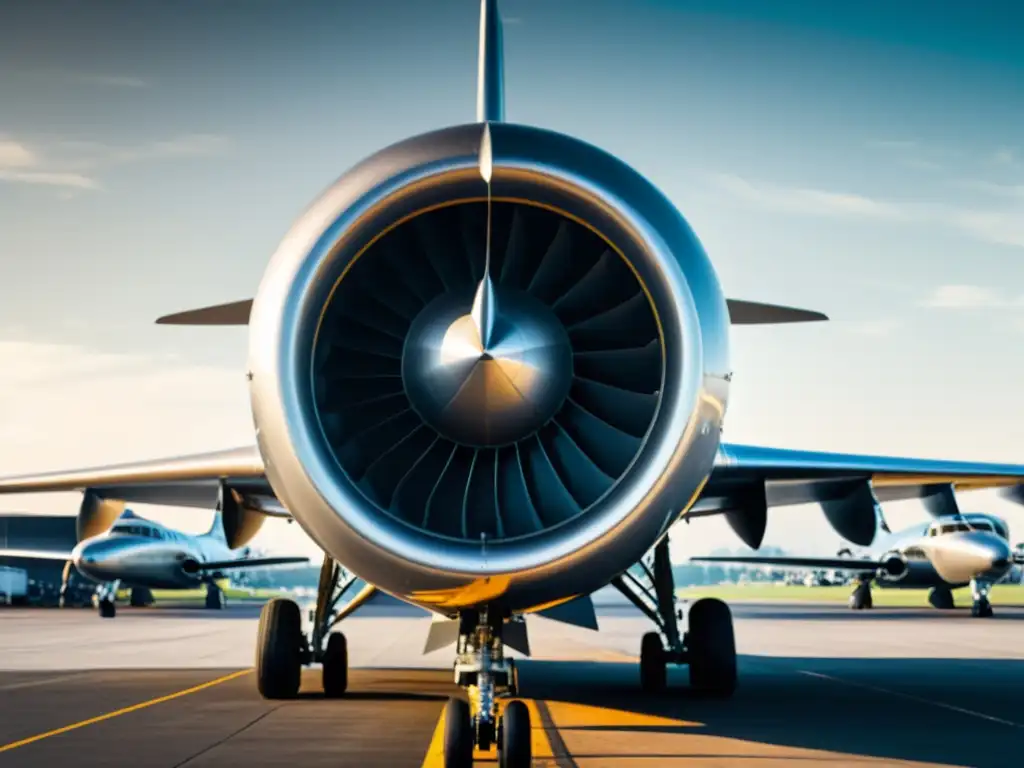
335 666
458 735
107 609
516 750
711 648
278 650
141 597
214 597
941 598
653 672
982 609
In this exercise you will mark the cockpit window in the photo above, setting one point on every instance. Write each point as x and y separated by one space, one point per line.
982 526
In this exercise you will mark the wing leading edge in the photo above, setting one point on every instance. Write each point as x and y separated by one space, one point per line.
189 481
740 313
747 480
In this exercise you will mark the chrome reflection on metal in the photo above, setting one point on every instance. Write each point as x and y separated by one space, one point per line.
489 377
326 471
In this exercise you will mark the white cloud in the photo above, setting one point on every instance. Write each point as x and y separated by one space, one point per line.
1002 223
964 297
49 178
21 165
875 327
809 201
1004 156
15 155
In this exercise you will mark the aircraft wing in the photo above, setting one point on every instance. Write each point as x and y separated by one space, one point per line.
814 563
740 313
748 480
250 562
34 554
188 481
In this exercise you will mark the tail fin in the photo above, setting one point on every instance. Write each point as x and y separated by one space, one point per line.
217 527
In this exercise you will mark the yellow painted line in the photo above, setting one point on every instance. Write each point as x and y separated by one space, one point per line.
124 711
540 744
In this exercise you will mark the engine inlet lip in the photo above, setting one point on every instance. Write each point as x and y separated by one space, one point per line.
303 299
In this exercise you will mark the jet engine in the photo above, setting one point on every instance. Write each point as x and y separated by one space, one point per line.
893 566
492 359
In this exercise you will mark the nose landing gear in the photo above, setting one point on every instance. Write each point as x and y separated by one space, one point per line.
482 669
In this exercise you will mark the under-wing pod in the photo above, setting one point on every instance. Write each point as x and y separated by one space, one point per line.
893 566
423 440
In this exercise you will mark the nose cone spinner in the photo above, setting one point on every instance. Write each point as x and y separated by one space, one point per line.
487 373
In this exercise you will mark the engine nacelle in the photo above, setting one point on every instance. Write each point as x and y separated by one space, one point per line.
894 566
521 438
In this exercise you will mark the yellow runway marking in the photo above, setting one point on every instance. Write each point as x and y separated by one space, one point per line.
540 743
124 711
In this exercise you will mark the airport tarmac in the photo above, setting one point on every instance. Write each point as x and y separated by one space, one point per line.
819 684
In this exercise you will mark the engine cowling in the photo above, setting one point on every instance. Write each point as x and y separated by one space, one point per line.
893 566
450 469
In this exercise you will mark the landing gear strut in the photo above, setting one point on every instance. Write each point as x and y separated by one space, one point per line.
981 607
282 647
708 647
860 600
482 669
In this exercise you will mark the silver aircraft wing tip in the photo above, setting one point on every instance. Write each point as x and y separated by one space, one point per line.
759 313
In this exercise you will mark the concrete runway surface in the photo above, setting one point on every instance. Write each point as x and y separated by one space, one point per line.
169 686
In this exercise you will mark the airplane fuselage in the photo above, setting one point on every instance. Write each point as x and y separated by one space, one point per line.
145 554
948 552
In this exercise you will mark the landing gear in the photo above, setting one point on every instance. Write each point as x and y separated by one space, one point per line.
106 594
653 664
141 597
515 746
279 650
283 647
981 608
711 649
458 735
482 669
941 598
708 647
214 597
335 666
860 600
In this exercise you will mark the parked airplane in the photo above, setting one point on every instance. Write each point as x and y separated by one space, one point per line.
488 370
945 554
144 555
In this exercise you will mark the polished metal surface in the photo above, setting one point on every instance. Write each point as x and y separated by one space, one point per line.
353 225
490 376
490 97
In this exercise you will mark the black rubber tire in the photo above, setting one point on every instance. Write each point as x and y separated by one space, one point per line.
653 667
141 597
214 598
941 598
982 609
278 650
107 609
516 749
711 648
335 666
458 735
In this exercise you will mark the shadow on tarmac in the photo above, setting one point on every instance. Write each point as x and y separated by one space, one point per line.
945 711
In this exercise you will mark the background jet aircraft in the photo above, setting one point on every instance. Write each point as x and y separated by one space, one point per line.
144 555
488 371
945 554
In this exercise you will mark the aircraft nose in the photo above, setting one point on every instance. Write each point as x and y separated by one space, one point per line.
961 557
96 558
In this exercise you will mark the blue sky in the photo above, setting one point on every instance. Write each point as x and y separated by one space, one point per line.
863 159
